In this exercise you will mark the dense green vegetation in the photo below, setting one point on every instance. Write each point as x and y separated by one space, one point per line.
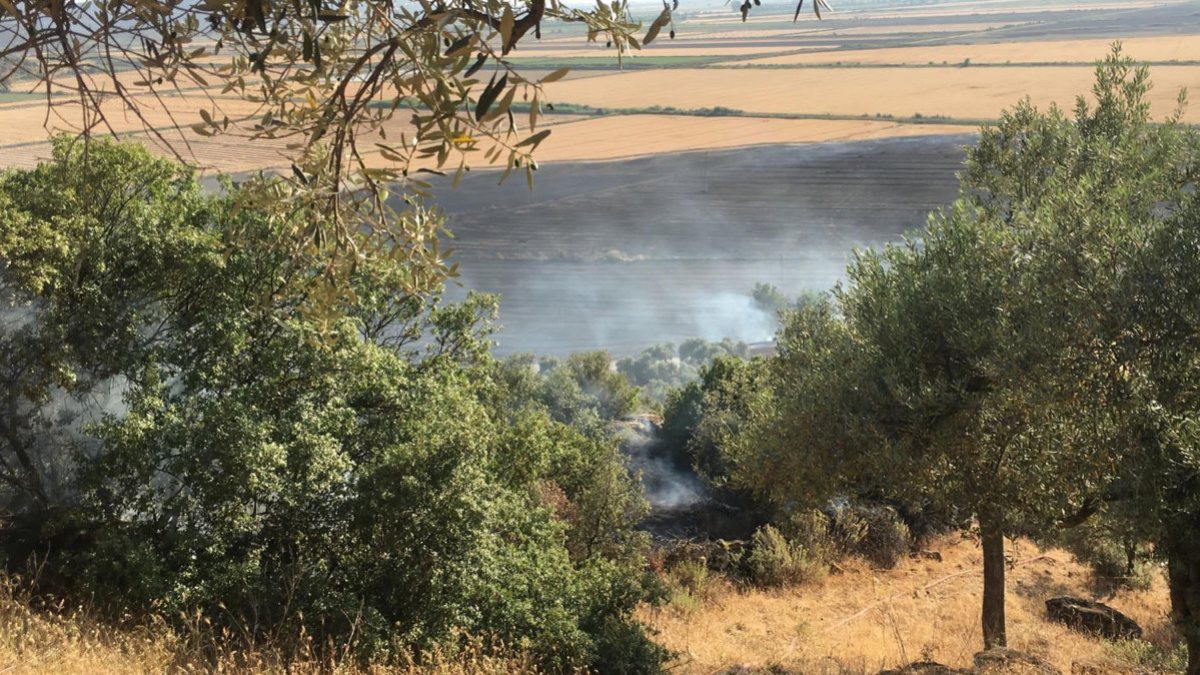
188 430
1029 360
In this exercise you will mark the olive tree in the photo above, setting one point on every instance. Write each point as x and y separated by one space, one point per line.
1111 289
952 365
1150 370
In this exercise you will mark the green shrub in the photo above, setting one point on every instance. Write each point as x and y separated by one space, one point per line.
875 533
691 575
1109 560
686 578
775 561
810 529
1148 657
363 474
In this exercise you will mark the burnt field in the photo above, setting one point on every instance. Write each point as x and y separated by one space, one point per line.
621 255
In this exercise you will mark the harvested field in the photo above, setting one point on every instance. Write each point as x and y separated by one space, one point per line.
27 121
592 139
916 28
1163 48
574 138
979 93
230 153
678 47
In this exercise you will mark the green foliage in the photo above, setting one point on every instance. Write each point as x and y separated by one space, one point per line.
775 561
1150 658
358 467
76 295
769 299
583 391
702 417
660 369
875 533
923 374
987 366
803 398
1114 544
731 387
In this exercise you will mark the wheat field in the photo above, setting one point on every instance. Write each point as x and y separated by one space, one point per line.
974 93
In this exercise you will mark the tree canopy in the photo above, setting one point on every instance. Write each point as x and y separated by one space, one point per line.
181 436
984 364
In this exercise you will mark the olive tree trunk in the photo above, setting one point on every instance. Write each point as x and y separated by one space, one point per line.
1183 576
993 584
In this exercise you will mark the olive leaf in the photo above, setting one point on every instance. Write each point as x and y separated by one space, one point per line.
657 25
490 92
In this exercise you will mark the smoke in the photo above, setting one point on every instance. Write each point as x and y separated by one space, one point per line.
666 485
558 308
50 423
623 255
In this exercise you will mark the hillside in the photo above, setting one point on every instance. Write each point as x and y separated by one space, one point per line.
862 620
859 620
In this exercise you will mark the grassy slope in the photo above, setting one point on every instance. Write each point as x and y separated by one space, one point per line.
70 642
861 620
857 621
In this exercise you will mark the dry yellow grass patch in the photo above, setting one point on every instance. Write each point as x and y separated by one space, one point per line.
868 619
666 48
976 93
28 120
1161 48
696 31
70 642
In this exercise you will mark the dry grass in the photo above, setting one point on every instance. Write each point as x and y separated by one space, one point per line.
71 642
857 621
684 45
981 8
862 620
1159 48
922 28
955 92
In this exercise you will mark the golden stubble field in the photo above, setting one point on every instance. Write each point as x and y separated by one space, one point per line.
654 134
955 92
793 74
989 7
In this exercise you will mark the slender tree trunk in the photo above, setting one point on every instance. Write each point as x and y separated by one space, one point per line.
993 584
1130 557
1183 577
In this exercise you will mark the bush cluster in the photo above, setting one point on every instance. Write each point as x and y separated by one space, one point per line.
773 560
351 467
875 533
